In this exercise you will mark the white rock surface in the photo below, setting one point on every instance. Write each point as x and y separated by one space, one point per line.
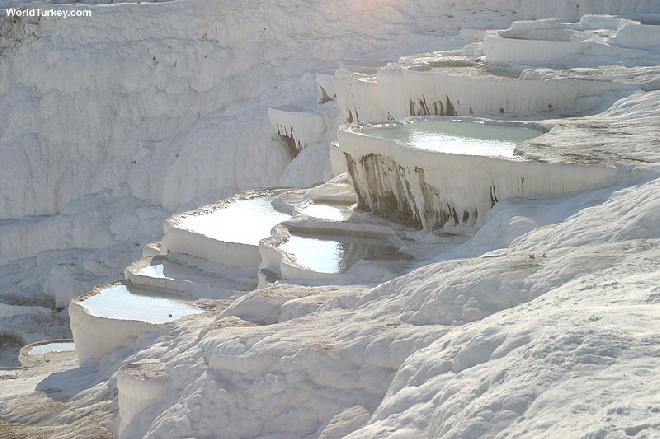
191 276
309 168
101 327
139 384
297 128
554 42
66 282
542 323
449 83
169 109
543 317
432 189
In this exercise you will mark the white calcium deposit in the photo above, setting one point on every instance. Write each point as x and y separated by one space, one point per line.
507 294
528 338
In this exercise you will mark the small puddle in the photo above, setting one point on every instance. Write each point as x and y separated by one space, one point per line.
332 256
154 271
457 136
245 221
328 212
48 348
130 303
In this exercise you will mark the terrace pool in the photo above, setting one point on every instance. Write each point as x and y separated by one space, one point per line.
458 136
327 255
328 212
244 221
123 302
57 346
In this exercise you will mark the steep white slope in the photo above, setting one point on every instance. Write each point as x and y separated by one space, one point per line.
579 359
165 104
566 300
574 9
110 121
169 100
168 109
311 167
92 222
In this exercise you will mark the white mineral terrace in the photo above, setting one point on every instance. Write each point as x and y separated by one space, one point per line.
427 180
500 75
456 136
157 287
298 128
452 84
115 315
191 276
139 384
228 233
559 42
461 242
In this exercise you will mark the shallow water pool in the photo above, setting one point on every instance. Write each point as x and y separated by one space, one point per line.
122 302
48 348
328 212
332 256
154 271
242 221
457 136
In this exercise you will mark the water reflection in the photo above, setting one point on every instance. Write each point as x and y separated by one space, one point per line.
332 256
328 212
457 136
47 348
129 303
242 221
153 271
